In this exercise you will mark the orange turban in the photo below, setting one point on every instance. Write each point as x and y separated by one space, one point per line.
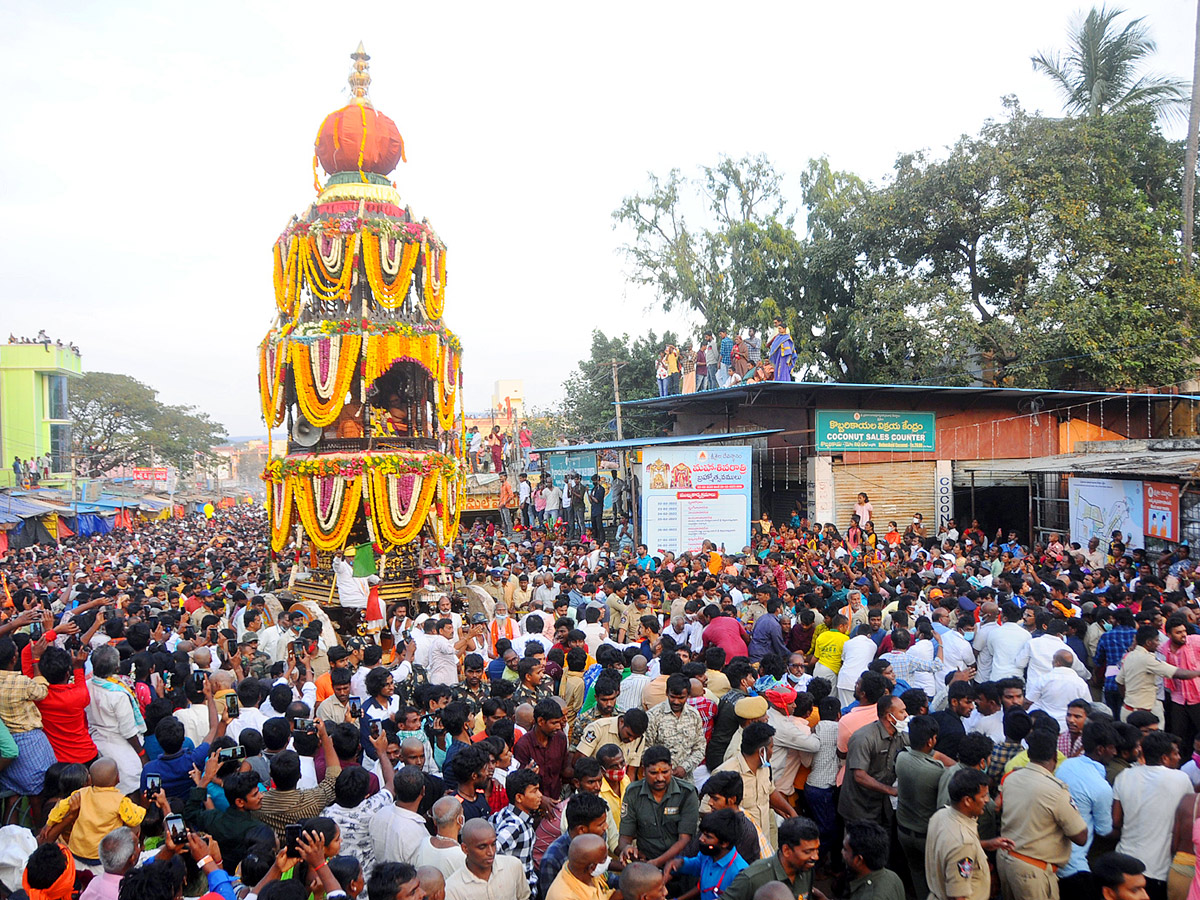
63 886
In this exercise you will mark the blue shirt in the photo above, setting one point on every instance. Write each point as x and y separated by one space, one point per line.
726 359
1093 797
176 770
767 638
715 874
447 773
1111 649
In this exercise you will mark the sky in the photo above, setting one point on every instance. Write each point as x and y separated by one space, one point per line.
150 153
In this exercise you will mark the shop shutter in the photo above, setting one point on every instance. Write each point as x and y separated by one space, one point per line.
897 490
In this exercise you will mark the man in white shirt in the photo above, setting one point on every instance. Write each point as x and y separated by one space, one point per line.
397 832
444 651
1039 653
1062 685
352 592
989 612
857 654
1145 799
1006 643
554 501
988 716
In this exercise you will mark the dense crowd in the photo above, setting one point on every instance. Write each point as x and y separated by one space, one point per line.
868 714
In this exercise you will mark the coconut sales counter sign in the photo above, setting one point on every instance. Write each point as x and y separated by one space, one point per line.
852 429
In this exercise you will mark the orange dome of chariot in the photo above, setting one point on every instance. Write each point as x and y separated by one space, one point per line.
358 137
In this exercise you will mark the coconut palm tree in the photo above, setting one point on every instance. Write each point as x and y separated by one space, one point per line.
1189 159
1099 72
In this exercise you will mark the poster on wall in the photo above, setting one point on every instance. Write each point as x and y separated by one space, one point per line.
1100 506
694 494
1160 510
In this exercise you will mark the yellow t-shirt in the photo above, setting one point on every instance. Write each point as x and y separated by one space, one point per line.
101 810
828 649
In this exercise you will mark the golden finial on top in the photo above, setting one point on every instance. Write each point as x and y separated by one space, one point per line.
360 78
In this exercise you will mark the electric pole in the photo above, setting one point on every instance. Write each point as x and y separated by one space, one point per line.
617 398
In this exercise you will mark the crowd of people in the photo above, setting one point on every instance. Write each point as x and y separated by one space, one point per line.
881 715
726 359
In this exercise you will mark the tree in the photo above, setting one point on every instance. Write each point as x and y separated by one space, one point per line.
117 420
1099 71
1189 158
588 411
690 267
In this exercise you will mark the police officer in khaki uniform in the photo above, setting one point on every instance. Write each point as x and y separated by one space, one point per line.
955 864
1039 818
626 731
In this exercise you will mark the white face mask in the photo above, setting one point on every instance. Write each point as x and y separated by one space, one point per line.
599 869
901 725
762 756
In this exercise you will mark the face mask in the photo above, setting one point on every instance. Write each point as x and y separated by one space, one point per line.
762 757
901 725
500 617
599 869
1108 626
968 636
615 774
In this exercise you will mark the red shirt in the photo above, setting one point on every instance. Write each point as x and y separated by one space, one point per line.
64 721
727 633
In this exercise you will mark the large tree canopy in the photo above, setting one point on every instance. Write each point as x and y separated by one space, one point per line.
118 420
1040 252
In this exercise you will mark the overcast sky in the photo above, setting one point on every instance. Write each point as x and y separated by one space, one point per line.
150 153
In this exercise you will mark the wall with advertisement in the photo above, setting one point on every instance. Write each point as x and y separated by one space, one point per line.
692 494
1160 510
1100 506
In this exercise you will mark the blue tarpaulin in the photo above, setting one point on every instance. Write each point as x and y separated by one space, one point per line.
87 524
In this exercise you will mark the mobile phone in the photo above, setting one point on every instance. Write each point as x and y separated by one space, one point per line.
167 678
225 754
299 647
305 725
231 705
35 631
153 785
355 708
198 679
176 829
375 726
291 836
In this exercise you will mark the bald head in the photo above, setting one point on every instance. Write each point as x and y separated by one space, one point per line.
638 665
412 745
640 879
433 882
222 680
477 830
446 812
773 890
586 852
1064 658
104 772
523 716
202 657
989 609
697 689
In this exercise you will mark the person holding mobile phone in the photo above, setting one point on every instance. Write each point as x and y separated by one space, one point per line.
284 804
176 763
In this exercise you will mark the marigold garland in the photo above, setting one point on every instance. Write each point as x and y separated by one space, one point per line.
389 296
271 382
435 283
323 411
303 489
318 279
353 464
392 529
286 275
384 350
281 515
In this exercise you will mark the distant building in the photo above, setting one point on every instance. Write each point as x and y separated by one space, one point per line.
34 416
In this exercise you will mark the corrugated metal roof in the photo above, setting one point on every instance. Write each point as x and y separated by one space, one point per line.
629 443
742 392
1143 463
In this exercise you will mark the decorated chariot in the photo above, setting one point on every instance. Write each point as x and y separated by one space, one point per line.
363 371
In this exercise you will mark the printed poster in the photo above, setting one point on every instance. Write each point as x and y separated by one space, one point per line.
1160 510
694 494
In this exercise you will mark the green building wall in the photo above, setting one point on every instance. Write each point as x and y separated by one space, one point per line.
26 376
